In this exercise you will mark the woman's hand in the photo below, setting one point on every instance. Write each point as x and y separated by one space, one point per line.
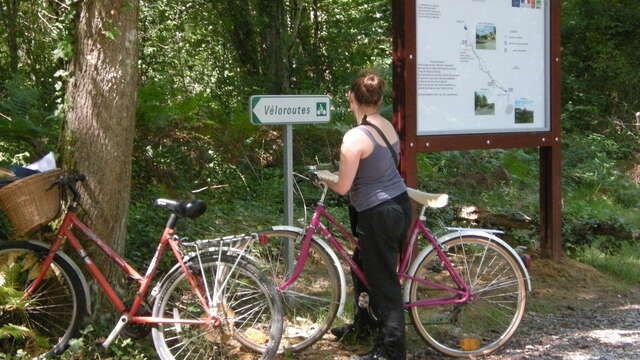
327 176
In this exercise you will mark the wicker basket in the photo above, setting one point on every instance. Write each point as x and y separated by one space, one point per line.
31 202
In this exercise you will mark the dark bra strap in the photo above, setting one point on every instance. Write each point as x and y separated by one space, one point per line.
384 138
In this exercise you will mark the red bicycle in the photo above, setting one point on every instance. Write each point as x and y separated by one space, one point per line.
212 302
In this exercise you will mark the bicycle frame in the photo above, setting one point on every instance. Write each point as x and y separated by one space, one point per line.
460 295
65 232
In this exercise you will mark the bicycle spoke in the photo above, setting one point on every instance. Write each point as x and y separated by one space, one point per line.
513 294
497 281
248 315
492 314
50 311
312 301
503 320
297 294
238 302
497 285
248 306
501 305
484 253
189 354
466 264
183 344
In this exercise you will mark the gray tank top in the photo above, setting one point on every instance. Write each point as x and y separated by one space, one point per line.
377 178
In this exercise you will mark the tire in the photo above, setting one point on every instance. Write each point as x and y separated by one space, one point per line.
313 300
486 322
55 310
250 309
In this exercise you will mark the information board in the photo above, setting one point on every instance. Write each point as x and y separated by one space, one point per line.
482 66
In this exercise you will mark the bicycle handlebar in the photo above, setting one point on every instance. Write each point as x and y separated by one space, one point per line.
69 181
76 177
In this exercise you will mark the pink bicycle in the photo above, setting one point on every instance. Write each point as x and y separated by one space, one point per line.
465 291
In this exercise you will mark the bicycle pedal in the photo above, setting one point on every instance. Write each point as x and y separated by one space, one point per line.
363 300
116 331
97 347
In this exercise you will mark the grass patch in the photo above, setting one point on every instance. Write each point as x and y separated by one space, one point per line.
623 264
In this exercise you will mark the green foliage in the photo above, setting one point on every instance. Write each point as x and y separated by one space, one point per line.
501 182
19 333
121 349
601 200
600 61
201 60
471 173
624 263
11 334
26 122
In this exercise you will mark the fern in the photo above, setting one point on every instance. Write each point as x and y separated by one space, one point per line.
25 118
11 305
14 331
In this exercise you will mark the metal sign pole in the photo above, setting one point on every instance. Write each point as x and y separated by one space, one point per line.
288 188
288 110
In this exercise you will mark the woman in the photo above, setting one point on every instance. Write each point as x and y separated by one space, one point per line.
368 172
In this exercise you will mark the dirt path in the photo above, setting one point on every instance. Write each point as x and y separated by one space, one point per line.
573 313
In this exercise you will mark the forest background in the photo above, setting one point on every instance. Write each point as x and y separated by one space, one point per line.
199 61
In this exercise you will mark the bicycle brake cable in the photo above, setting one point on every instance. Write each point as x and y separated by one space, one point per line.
304 204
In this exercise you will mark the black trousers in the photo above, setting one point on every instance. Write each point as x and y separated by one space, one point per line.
381 231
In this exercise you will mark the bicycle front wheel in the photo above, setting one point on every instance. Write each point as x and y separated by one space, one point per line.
313 300
41 324
485 322
246 302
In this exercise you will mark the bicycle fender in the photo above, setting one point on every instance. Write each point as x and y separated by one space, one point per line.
463 233
334 258
75 267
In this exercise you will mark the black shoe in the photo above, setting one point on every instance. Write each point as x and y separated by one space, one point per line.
375 354
352 333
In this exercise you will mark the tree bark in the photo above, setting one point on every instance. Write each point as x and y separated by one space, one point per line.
264 46
9 14
243 38
100 121
274 47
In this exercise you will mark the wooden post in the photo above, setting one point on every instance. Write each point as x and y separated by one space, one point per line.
551 156
402 63
551 201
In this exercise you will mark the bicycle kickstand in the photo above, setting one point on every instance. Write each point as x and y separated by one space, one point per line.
124 319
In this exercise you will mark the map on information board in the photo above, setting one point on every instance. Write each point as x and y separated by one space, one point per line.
482 66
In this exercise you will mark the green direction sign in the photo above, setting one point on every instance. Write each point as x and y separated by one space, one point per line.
289 109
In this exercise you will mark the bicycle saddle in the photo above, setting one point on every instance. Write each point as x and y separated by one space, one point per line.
428 199
191 209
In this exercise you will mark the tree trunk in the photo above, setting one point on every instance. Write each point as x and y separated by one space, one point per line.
243 38
9 10
100 121
274 45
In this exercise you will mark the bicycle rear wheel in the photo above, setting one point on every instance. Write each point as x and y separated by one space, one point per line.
42 324
247 303
490 317
313 300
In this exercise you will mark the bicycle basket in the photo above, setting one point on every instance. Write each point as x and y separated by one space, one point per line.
31 201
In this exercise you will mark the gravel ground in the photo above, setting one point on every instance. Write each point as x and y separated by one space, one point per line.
599 330
573 313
